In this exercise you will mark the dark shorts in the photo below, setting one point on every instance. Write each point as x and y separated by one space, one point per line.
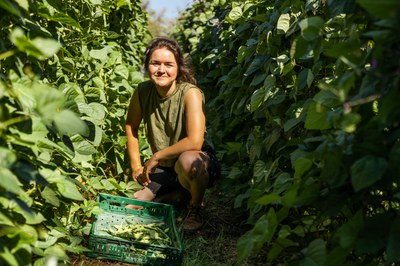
165 179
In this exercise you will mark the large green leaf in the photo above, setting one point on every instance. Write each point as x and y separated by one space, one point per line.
270 82
283 23
256 64
316 117
235 14
267 199
48 101
69 190
101 54
65 186
298 48
23 3
7 157
366 171
38 47
278 246
305 78
82 146
315 254
260 77
95 111
257 99
393 245
50 196
261 95
374 235
262 233
337 257
57 251
65 19
282 183
242 53
311 28
9 257
11 7
69 123
350 121
122 70
327 98
10 182
259 169
382 8
344 49
31 217
348 233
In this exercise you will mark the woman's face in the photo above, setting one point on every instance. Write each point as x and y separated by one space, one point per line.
163 68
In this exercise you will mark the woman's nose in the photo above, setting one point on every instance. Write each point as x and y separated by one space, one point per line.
161 68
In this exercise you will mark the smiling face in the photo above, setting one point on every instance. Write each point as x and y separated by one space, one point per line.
163 68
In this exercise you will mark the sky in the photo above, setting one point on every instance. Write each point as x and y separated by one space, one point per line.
172 7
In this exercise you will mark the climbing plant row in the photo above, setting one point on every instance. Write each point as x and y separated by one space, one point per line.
68 69
302 109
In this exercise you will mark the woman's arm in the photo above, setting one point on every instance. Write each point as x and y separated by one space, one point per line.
132 124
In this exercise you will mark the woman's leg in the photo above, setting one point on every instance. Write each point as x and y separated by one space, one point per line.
144 194
163 181
191 168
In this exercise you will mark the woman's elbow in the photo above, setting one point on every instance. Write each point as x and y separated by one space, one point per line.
197 144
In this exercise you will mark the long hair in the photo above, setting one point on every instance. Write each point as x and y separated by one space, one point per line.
185 73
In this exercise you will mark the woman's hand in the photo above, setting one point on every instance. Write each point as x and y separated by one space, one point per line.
149 167
136 173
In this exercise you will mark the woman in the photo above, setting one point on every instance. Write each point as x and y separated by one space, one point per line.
172 109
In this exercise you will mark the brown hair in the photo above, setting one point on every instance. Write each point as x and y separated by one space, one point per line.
185 73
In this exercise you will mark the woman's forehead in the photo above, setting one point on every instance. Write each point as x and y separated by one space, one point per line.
162 53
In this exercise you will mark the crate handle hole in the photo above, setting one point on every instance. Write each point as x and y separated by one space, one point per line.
115 204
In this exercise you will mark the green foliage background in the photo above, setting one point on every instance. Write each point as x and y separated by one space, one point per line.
302 106
68 69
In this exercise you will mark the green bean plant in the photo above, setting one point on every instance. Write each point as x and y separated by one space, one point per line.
302 110
67 71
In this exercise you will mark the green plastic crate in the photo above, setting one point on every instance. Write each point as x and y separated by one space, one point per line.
106 246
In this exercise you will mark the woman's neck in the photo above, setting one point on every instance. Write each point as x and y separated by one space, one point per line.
166 91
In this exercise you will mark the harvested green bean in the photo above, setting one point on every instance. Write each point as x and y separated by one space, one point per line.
151 233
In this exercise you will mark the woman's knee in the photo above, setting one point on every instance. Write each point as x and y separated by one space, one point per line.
191 164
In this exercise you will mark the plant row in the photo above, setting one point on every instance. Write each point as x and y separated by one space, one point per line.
302 110
67 71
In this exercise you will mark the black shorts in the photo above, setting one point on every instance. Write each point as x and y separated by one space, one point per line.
165 179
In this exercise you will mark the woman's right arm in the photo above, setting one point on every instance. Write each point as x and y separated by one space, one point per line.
132 124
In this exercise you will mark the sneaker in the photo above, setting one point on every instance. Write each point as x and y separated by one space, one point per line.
194 220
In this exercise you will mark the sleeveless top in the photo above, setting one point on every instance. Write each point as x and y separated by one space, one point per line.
164 118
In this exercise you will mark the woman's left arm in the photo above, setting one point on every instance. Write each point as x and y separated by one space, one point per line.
195 119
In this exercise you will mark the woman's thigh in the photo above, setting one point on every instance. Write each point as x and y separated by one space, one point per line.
164 180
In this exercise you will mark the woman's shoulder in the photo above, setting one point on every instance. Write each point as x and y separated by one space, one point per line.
185 87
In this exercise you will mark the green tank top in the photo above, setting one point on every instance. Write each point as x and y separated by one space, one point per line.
164 118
